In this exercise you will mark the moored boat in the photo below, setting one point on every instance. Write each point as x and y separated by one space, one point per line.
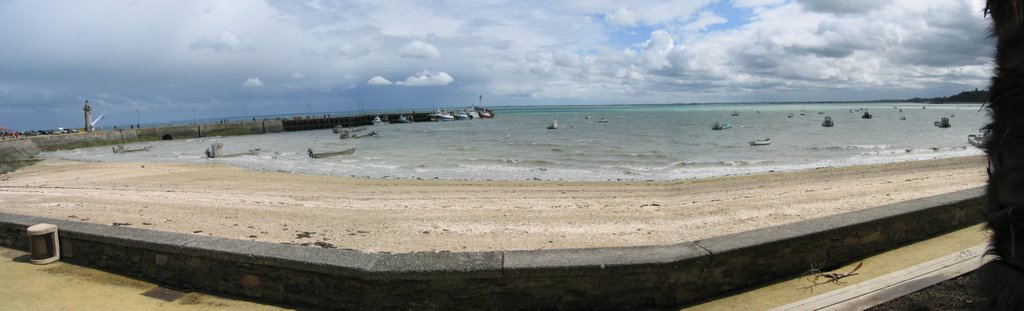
761 142
866 115
553 125
828 122
315 155
123 149
976 140
720 126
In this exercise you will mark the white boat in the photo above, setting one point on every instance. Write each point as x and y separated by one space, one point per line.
377 120
404 119
462 115
976 140
442 116
553 125
761 142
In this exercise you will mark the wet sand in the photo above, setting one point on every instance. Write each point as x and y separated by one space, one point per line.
386 215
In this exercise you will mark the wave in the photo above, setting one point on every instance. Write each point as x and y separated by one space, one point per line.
849 147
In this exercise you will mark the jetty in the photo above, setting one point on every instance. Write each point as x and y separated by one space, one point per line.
215 152
330 122
315 155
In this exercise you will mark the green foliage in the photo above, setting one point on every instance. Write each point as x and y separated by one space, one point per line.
975 96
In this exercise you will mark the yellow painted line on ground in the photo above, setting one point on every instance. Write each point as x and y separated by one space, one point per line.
62 286
795 289
873 292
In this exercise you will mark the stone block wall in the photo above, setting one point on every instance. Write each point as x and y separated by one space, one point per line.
599 278
15 154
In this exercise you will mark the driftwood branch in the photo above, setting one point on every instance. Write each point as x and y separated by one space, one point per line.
816 277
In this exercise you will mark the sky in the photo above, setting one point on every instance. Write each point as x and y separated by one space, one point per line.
160 61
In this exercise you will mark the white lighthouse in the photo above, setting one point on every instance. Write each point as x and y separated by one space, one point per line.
88 116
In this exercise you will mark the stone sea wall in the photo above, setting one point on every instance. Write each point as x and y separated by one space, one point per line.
15 154
113 137
598 278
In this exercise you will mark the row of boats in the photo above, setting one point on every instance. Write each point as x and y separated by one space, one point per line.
444 115
216 151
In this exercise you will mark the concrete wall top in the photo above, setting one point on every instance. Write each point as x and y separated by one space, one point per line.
475 264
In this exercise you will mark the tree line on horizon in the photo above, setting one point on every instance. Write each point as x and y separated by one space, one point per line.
975 96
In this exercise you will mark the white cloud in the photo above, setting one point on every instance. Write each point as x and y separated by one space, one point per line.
225 41
252 82
623 17
703 21
750 4
347 51
419 49
427 78
654 12
298 76
378 80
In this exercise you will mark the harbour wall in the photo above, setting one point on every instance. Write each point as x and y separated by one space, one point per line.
15 154
112 137
594 278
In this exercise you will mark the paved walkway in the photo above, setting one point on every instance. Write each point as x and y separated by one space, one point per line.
56 286
61 286
881 278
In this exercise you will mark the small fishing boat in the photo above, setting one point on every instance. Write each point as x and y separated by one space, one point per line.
790 115
215 152
352 134
828 122
943 123
976 140
720 126
315 155
553 125
462 115
404 119
761 142
866 115
603 120
735 113
377 120
123 149
484 113
903 118
442 116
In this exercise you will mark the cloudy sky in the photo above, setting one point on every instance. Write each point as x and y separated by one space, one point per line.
167 60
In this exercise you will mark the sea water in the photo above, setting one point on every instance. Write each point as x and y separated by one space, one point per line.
638 142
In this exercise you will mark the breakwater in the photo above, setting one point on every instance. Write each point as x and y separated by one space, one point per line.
595 278
326 122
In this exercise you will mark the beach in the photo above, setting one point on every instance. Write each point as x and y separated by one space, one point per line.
410 215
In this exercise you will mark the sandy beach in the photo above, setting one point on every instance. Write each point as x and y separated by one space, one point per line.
386 215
